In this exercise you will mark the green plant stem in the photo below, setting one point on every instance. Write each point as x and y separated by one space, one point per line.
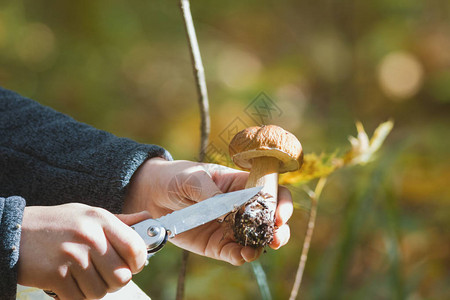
309 233
261 279
360 205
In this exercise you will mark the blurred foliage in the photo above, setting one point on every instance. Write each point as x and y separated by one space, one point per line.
123 66
362 152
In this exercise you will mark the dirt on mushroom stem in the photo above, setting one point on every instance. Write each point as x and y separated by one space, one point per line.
253 224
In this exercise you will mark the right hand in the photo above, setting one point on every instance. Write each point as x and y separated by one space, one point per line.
161 187
79 251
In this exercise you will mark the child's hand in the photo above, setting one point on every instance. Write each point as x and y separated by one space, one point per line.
78 251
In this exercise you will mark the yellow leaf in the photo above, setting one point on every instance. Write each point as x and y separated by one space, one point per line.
362 152
314 166
363 149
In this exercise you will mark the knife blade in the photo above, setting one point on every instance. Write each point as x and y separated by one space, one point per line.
205 211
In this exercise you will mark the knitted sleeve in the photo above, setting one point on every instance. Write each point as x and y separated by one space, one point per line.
49 158
11 212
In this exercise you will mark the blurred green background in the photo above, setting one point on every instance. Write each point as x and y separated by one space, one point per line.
124 66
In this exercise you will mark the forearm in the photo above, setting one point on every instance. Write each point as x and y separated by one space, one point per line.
49 158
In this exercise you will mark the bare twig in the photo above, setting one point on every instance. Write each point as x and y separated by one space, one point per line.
309 233
205 123
199 73
182 275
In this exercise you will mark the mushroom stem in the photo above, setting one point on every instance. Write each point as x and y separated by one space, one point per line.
264 172
266 150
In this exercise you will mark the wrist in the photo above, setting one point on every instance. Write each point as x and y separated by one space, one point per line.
141 185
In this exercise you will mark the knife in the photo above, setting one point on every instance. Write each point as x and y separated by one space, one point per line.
156 232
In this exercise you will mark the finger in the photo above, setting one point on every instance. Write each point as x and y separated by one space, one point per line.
250 254
219 246
131 219
281 237
126 242
200 186
69 290
227 179
89 280
285 206
112 268
231 253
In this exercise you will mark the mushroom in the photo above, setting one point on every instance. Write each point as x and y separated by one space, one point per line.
266 151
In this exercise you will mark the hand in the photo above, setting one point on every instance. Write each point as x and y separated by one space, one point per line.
78 251
161 187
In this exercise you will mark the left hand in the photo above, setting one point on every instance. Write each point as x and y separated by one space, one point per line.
161 187
78 251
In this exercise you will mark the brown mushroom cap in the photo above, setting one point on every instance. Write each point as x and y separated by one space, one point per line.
267 140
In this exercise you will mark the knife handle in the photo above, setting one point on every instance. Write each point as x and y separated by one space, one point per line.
153 233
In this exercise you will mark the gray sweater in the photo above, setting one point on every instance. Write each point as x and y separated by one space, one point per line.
47 158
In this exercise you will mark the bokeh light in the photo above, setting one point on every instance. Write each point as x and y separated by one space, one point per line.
400 75
237 68
36 46
293 102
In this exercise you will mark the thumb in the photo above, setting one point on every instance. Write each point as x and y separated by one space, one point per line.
201 186
131 219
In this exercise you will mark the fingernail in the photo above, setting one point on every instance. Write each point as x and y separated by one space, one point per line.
256 254
253 257
124 275
285 214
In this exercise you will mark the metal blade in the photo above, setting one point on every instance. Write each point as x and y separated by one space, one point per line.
205 211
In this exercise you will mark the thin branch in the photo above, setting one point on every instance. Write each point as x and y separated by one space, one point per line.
309 233
199 73
182 275
205 122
